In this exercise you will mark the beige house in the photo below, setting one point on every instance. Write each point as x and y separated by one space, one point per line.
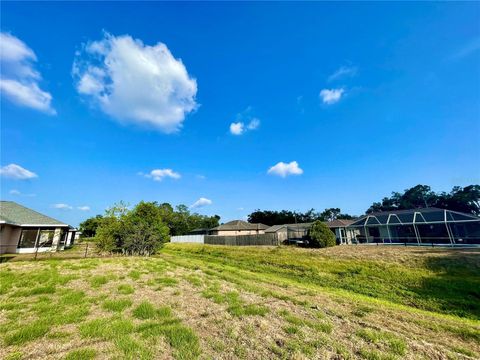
300 231
289 231
23 230
343 233
238 227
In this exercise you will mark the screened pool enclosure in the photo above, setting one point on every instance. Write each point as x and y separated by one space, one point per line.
419 226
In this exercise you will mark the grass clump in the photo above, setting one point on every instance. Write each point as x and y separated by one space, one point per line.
236 306
117 305
144 311
17 355
125 289
105 328
81 354
135 274
394 344
132 349
98 281
27 333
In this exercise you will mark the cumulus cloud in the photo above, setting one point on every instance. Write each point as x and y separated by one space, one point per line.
237 128
244 122
62 206
201 203
331 96
14 171
136 83
343 71
253 124
285 169
83 208
19 80
19 193
160 174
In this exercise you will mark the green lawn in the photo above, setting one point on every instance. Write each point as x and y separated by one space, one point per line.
214 302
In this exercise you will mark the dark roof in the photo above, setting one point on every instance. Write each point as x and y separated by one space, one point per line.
15 214
240 225
420 215
290 227
337 223
306 226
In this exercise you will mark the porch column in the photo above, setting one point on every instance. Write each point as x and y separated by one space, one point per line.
56 239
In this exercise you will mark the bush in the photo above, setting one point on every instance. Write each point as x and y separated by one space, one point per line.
139 231
321 235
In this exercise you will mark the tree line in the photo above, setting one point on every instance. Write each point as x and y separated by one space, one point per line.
272 217
463 199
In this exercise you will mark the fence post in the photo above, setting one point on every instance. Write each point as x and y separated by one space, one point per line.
86 250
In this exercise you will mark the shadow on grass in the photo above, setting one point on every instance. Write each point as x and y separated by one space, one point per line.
455 288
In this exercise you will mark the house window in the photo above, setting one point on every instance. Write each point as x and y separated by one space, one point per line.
28 238
46 238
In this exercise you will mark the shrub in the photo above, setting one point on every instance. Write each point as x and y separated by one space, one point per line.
321 235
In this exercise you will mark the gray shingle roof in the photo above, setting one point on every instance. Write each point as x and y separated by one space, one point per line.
290 227
16 214
240 225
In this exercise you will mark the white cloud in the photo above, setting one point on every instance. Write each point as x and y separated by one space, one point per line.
136 83
331 96
237 128
17 172
283 169
159 174
19 81
83 208
253 124
343 71
201 203
244 122
19 193
62 206
200 177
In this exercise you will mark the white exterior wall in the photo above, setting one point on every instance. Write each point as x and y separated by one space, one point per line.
237 232
197 239
9 237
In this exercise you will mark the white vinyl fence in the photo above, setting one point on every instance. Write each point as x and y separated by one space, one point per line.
198 239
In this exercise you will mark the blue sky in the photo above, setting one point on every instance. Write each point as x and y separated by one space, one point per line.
272 106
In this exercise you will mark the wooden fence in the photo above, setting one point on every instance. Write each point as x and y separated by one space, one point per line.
242 240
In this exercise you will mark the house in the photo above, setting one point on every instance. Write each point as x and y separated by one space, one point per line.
343 233
300 231
238 227
23 230
290 231
418 226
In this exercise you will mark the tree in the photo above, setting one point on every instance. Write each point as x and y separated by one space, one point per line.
89 227
139 231
465 199
145 231
271 218
321 235
334 214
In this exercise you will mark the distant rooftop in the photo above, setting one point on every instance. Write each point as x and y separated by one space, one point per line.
15 214
306 226
240 225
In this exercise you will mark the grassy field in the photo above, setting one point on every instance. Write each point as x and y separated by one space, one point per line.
215 302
